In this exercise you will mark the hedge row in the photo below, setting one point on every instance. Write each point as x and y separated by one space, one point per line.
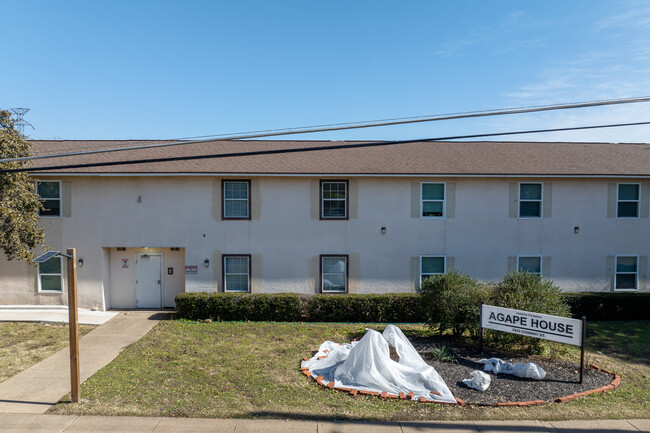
291 307
389 308
597 306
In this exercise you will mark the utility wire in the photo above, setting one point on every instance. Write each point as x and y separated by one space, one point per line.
307 149
305 130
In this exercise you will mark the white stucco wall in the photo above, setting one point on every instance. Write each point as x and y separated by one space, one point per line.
285 236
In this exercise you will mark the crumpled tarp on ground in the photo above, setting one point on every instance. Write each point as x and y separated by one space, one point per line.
366 365
528 371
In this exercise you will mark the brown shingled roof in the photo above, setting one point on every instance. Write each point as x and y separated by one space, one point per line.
419 158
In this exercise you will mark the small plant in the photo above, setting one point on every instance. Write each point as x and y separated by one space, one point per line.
443 353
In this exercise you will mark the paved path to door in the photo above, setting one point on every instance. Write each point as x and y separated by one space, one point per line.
18 423
39 387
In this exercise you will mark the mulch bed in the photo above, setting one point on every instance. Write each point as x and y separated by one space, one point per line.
562 378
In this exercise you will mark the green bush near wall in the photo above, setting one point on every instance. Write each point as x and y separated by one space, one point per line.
291 307
389 308
599 306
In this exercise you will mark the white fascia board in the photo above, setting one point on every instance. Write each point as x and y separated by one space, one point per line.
337 175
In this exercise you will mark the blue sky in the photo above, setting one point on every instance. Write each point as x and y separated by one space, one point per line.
170 69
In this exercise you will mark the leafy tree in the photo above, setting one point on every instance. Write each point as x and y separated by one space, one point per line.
19 203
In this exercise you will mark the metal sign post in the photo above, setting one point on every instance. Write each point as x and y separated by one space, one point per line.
531 324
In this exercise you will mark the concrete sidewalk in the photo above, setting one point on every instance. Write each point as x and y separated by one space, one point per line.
39 387
52 313
17 423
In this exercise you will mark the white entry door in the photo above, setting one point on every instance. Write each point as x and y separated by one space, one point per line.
148 280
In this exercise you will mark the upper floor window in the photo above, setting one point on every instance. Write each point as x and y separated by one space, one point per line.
530 200
431 265
334 199
627 200
236 273
433 200
50 193
236 199
334 273
531 264
627 268
50 276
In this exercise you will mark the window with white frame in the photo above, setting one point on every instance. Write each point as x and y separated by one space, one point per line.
334 273
334 199
627 268
236 273
432 200
530 200
50 275
50 193
236 199
531 264
627 200
431 265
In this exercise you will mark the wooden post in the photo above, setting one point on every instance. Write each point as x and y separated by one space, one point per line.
73 320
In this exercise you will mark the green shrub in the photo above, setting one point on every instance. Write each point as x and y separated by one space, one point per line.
290 307
607 306
452 301
388 308
529 292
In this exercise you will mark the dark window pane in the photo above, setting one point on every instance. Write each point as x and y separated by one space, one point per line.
626 281
51 208
432 209
628 192
51 282
626 264
530 264
530 191
236 209
237 283
628 209
529 209
334 208
48 189
52 266
433 191
433 265
236 190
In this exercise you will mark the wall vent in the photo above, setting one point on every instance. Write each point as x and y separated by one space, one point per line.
175 249
121 249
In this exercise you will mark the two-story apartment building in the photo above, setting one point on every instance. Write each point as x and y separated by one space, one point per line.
329 217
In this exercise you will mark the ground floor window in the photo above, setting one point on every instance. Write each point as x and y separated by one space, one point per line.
50 277
626 272
236 273
334 273
531 264
431 265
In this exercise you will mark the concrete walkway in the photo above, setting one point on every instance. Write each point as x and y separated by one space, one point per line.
39 387
52 313
17 423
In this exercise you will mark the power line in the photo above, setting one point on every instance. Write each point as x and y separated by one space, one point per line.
357 125
308 149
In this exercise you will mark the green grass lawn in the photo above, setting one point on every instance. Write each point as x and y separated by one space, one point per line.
23 344
246 370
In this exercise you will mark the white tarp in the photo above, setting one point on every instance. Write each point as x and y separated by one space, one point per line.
479 380
528 371
366 365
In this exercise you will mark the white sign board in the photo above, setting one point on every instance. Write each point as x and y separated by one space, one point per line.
554 328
